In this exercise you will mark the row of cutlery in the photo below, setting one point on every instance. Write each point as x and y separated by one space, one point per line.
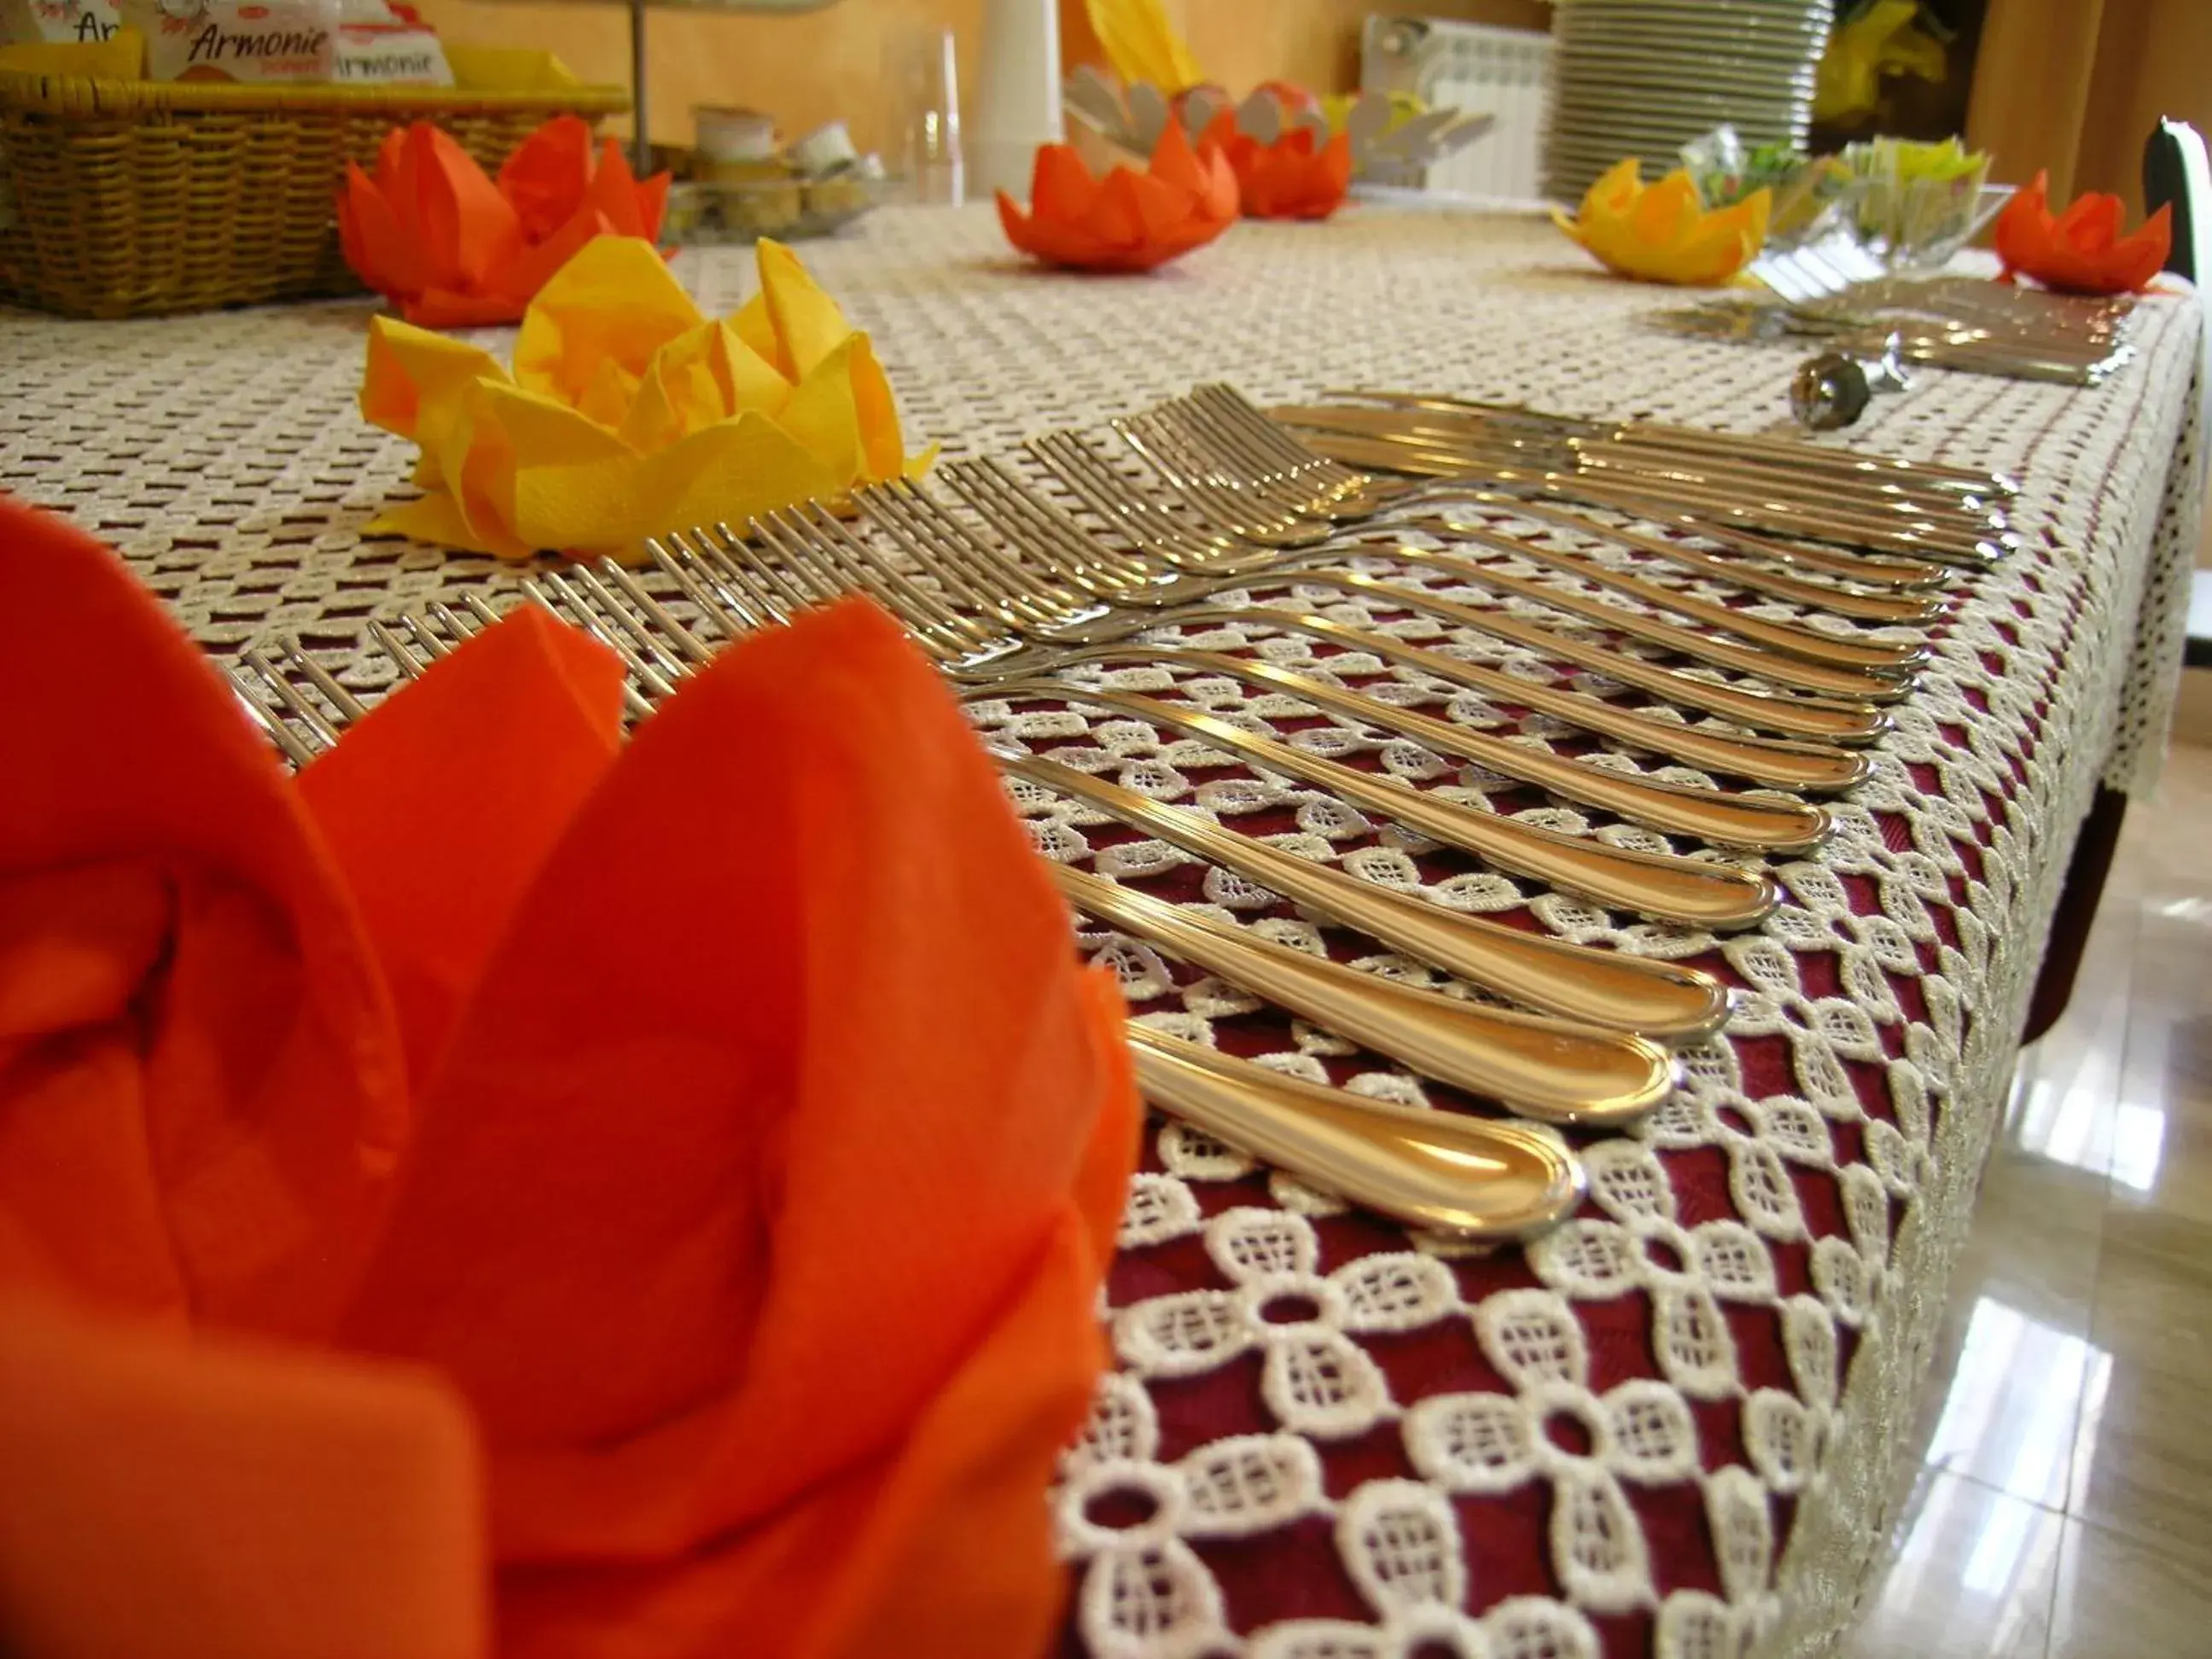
1027 577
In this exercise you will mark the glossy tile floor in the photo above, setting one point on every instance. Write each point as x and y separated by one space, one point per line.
2062 1507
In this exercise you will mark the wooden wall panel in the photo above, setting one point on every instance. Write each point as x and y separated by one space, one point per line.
1315 43
808 68
804 69
2032 82
2153 58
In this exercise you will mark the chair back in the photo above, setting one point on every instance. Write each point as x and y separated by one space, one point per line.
2178 173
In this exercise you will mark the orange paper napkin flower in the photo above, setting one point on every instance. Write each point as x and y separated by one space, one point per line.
679 1173
627 413
2081 251
1662 233
452 249
1128 221
1298 176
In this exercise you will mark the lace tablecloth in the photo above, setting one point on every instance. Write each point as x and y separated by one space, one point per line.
1668 1426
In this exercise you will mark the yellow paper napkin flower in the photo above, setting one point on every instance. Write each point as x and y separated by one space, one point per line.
1142 44
629 414
1661 232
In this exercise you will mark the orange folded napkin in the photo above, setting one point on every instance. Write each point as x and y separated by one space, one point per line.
2081 251
452 249
1296 175
174 1497
627 413
181 969
1662 232
722 1118
1128 221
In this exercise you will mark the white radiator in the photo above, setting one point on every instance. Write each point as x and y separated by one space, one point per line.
1476 67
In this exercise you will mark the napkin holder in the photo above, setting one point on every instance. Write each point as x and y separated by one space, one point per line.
1131 118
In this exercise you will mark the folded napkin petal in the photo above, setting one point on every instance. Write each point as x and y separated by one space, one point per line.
696 380
534 472
546 176
169 1496
428 219
866 1565
1176 161
452 248
512 289
1060 243
470 228
1141 44
373 237
615 302
2081 250
482 811
416 383
736 469
824 1172
181 969
1062 189
628 411
1661 232
564 198
1128 221
1292 177
628 205
791 322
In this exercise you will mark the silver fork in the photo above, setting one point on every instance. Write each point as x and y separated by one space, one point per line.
1807 474
994 592
1461 451
1596 987
1577 982
1695 505
1785 653
995 596
1898 525
1883 657
1205 433
1244 454
1207 437
1459 1175
1306 479
1152 526
1343 494
719 572
1653 456
1789 454
1540 1065
1069 553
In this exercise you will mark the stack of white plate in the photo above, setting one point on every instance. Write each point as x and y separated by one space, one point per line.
1643 77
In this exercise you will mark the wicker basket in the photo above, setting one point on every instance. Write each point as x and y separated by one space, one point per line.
131 199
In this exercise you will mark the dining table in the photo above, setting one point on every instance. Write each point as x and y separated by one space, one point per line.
1671 1426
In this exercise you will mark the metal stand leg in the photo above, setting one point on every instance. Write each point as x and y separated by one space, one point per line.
640 149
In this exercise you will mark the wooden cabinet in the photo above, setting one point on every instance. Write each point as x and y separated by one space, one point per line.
2072 87
2031 96
2075 87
